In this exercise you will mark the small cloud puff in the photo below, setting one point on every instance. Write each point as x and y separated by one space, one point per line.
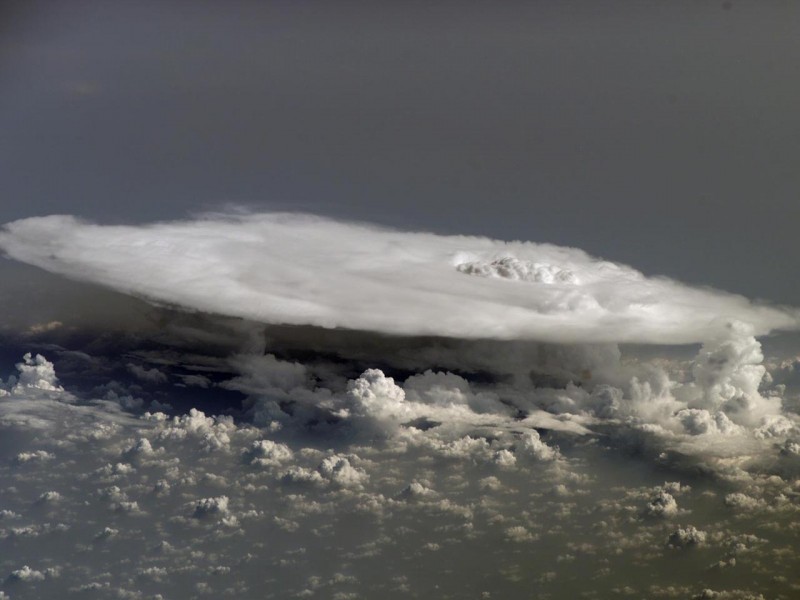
416 491
26 574
338 470
213 433
699 422
206 507
36 456
266 453
663 504
686 537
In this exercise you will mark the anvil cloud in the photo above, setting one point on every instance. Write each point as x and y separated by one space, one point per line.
299 269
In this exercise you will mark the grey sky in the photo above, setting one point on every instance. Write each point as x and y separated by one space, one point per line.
663 135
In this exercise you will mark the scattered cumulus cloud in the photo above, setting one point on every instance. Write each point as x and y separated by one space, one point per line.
429 465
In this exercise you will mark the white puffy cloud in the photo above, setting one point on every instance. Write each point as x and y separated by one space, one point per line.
662 504
684 537
373 394
531 445
775 426
35 456
205 507
416 491
375 400
213 433
741 501
338 470
48 497
728 371
283 268
267 453
27 574
36 375
447 390
518 533
698 422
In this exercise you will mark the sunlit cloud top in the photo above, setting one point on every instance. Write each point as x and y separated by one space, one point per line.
305 270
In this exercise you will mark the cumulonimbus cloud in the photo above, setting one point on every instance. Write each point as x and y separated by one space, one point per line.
301 269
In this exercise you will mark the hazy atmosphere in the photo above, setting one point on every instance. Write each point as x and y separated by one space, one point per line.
406 300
